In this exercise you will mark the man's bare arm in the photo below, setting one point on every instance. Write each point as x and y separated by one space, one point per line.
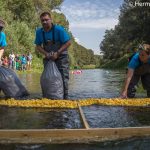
64 47
1 52
40 49
127 82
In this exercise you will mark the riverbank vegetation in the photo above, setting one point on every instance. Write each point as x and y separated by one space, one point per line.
120 63
131 30
22 19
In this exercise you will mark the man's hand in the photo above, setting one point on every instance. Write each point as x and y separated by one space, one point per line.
124 94
127 82
54 55
47 55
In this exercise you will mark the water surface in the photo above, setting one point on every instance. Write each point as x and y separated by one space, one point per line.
96 83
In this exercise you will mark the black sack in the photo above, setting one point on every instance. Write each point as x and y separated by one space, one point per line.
51 82
10 84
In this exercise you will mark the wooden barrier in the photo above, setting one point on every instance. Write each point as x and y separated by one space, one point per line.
59 136
38 136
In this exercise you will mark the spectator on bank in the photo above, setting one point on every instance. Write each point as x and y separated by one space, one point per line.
23 62
17 62
29 61
5 61
12 60
3 42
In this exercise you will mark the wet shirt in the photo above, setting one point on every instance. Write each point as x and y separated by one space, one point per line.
3 42
135 62
59 32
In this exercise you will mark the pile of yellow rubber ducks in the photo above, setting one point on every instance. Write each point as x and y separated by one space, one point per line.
47 103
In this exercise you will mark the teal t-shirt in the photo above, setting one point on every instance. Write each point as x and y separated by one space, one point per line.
61 35
135 62
3 42
23 60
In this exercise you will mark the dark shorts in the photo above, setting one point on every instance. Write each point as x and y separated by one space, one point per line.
143 73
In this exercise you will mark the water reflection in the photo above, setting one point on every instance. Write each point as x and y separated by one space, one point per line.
94 83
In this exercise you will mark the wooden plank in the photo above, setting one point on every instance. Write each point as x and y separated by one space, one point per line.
86 125
38 136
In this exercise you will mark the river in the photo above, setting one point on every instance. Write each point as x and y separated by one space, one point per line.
97 83
90 83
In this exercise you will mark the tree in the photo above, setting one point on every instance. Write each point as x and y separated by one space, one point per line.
132 29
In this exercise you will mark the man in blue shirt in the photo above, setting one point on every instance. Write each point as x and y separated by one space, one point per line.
52 41
139 67
2 39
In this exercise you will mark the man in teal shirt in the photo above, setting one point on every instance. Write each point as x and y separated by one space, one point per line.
3 43
139 67
52 41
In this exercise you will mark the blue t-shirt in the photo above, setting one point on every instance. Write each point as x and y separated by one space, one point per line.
23 60
135 62
3 42
60 35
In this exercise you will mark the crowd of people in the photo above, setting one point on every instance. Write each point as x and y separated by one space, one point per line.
18 62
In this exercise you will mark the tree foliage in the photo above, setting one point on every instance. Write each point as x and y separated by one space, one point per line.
22 19
132 29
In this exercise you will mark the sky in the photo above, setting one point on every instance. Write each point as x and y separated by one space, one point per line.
88 20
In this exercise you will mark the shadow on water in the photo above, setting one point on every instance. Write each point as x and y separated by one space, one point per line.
129 144
97 117
112 116
23 118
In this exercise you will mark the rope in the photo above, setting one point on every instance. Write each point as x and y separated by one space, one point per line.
47 103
